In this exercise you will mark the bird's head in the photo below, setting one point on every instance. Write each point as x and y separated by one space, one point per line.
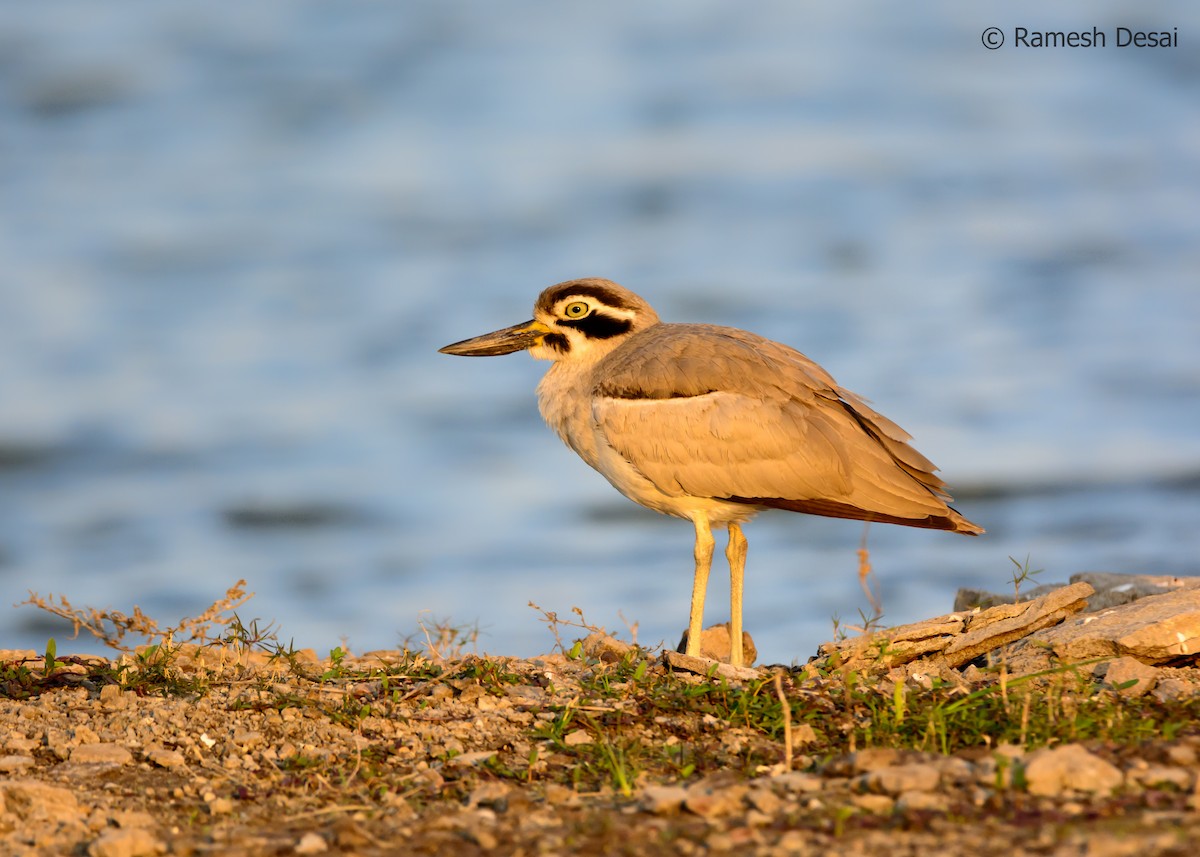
577 321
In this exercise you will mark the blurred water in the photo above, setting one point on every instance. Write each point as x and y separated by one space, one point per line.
233 241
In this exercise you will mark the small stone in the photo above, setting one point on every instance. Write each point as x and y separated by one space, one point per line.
715 643
134 842
130 818
15 764
493 794
102 754
1163 775
922 800
903 778
873 759
221 806
1122 671
793 842
472 758
247 740
577 737
30 800
350 835
558 795
21 744
799 782
662 799
1167 689
877 804
714 801
165 758
1070 768
1181 754
605 648
764 800
111 697
311 843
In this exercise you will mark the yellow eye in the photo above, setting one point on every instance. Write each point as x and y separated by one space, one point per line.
578 309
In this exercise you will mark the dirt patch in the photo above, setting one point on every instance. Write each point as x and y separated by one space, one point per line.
888 745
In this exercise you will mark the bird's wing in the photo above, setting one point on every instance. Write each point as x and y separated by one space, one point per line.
715 412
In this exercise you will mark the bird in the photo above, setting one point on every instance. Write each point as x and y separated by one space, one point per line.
714 424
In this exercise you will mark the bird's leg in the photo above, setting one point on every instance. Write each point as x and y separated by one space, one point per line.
735 552
704 552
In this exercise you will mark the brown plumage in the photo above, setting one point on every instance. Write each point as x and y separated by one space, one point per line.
715 424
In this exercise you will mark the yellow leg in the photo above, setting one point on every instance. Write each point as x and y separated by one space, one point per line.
704 552
735 552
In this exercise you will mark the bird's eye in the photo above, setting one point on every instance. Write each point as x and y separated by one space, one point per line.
578 309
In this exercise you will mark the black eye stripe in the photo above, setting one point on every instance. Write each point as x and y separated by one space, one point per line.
598 325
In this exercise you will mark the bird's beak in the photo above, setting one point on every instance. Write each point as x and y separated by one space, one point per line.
516 338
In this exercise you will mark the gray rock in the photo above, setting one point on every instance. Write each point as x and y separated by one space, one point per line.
1111 590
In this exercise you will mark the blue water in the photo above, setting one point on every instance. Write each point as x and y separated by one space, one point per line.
232 242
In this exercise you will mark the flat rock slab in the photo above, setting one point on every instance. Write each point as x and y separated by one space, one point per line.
959 638
1159 629
706 666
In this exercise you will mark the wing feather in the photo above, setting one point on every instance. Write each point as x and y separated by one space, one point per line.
712 412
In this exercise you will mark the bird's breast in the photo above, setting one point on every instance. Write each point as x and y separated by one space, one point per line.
565 402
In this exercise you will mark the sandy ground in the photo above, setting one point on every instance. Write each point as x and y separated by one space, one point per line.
226 751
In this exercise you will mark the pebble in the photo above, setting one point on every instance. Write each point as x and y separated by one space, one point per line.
1070 768
311 843
902 778
922 800
165 758
30 800
15 764
662 799
710 802
1124 670
878 804
798 781
102 754
136 842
